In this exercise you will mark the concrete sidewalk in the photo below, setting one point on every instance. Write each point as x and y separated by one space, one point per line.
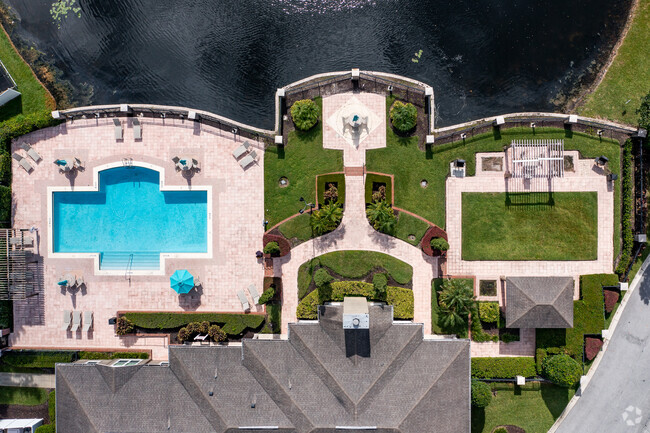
27 380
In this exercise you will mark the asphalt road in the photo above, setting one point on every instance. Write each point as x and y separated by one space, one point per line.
618 397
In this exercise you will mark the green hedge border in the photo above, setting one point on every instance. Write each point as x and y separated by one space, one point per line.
233 324
503 367
322 179
372 177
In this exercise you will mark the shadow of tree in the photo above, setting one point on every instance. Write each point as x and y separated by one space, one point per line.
556 398
478 419
644 291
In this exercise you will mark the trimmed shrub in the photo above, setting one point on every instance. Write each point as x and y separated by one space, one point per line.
433 232
51 406
216 333
46 428
183 334
481 394
24 124
308 307
540 355
478 334
501 430
401 300
5 168
282 242
508 337
439 244
503 368
489 312
267 295
562 370
6 314
272 248
322 277
194 327
592 347
5 206
37 358
403 116
380 282
124 326
113 355
232 323
611 298
627 210
304 114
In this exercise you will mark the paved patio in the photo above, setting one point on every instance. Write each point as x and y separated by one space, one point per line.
237 208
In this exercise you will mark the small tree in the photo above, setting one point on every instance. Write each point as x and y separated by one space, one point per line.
267 295
562 370
183 334
403 116
380 283
439 244
456 300
644 112
380 194
326 219
203 327
272 248
322 277
194 327
381 217
331 193
481 394
124 326
216 333
489 312
304 114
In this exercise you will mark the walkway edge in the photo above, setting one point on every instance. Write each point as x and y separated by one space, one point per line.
612 327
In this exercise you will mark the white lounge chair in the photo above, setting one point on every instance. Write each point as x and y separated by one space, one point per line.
67 317
197 282
23 162
79 280
118 129
88 320
26 241
76 321
31 152
253 291
137 129
241 150
200 337
77 163
248 160
243 300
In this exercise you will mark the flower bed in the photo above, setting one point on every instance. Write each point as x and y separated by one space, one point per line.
282 242
592 347
433 232
611 298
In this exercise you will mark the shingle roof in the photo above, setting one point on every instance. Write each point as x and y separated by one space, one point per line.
539 302
318 379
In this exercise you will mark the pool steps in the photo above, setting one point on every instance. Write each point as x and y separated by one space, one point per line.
122 261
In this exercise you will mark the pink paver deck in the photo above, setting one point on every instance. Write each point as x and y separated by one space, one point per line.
237 206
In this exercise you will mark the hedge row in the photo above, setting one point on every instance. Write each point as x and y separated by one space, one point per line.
37 358
503 368
24 124
627 203
401 299
6 314
51 408
113 355
232 324
321 186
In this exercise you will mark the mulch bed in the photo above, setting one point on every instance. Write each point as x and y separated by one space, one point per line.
592 347
611 298
21 412
511 429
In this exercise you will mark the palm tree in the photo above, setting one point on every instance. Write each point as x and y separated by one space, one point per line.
326 219
381 216
456 300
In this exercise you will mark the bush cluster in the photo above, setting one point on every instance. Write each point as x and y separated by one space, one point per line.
433 232
481 394
267 295
272 248
216 333
489 312
282 242
304 114
439 244
403 116
322 277
503 368
478 334
380 283
381 216
562 370
627 199
24 124
232 323
195 328
113 355
124 326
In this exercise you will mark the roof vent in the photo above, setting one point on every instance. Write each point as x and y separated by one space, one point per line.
355 313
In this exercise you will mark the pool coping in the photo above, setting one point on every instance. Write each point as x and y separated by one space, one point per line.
95 187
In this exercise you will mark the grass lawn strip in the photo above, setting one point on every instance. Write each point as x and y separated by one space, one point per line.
23 396
533 407
628 78
356 264
297 229
566 230
299 161
409 225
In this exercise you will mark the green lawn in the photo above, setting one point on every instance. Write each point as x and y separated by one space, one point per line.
532 226
533 407
297 229
23 396
410 225
34 96
299 161
628 79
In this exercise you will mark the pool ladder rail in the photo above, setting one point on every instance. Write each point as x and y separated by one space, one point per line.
127 162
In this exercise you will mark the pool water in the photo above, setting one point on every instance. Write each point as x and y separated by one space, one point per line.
129 221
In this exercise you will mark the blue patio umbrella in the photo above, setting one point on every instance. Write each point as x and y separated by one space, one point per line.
182 281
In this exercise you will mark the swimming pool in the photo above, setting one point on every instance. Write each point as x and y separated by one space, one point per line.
129 220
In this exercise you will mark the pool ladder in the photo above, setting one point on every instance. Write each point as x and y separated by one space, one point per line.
129 267
127 162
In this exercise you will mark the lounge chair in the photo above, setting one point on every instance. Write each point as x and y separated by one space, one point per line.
195 164
241 150
248 160
78 163
253 291
200 337
118 129
243 300
23 162
76 321
26 241
31 152
79 280
88 321
137 129
66 320
197 282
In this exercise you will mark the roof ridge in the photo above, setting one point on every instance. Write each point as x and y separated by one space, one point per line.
64 380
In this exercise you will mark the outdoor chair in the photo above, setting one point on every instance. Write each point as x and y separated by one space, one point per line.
243 300
248 160
77 163
88 320
200 337
118 129
195 164
31 152
76 321
67 315
137 129
23 162
197 282
79 280
241 150
26 241
253 291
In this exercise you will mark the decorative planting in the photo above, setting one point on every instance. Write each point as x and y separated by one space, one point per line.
432 232
592 347
562 370
611 298
304 114
281 241
232 324
503 368
403 116
487 288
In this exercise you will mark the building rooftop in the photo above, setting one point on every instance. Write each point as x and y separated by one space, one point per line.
539 302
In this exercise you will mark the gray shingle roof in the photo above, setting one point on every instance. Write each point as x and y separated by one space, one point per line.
318 379
539 302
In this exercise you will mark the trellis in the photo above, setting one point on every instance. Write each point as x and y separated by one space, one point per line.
537 159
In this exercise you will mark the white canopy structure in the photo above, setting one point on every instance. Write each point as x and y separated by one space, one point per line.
534 159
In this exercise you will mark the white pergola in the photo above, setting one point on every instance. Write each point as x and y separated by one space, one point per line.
537 159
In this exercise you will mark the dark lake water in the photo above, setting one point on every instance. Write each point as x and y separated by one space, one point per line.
482 57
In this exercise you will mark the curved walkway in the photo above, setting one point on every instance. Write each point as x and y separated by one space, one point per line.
355 233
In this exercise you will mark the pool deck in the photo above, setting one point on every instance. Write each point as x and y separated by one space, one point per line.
237 208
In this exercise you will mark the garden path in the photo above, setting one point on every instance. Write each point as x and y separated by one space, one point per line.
27 380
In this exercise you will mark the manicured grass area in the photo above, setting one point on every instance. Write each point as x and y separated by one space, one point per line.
436 326
628 79
36 358
371 179
33 97
637 263
23 396
232 324
409 225
297 229
537 226
410 165
323 181
533 407
299 161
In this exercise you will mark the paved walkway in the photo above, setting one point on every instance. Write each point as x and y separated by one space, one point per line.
617 398
27 380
